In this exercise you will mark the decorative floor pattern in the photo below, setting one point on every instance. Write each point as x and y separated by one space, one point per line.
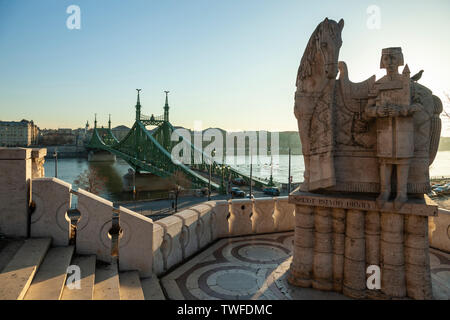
255 268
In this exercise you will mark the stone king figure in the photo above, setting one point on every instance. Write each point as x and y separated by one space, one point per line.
390 104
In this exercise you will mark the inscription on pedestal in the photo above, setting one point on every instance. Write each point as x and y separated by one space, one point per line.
421 207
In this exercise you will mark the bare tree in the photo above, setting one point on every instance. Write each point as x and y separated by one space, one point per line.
178 182
444 112
91 181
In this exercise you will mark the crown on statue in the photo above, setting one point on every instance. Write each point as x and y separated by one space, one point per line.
392 51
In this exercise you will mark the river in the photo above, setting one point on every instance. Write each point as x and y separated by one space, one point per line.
70 169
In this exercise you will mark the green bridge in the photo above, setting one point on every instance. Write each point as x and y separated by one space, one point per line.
150 151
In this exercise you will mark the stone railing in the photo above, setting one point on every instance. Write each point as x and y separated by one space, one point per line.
52 199
439 230
145 245
183 234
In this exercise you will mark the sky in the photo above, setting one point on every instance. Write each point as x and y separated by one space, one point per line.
230 64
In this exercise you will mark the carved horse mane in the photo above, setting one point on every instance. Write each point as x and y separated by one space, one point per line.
327 31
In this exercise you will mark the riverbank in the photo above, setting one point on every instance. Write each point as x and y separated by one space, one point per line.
66 152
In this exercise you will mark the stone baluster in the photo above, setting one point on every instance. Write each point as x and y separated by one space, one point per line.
240 219
392 255
158 258
354 255
94 225
52 199
284 214
135 242
372 229
417 261
338 247
171 246
323 250
262 219
219 219
302 264
204 228
188 237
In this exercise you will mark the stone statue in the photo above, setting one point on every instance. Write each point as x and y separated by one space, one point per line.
390 103
338 120
353 136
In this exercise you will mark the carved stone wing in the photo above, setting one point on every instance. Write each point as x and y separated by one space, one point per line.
353 92
354 130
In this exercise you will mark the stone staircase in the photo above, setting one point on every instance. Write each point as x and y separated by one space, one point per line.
31 269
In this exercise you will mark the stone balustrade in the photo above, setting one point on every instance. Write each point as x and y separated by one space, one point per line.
187 232
52 199
439 230
145 245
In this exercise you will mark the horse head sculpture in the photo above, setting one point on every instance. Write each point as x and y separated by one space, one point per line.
320 58
315 89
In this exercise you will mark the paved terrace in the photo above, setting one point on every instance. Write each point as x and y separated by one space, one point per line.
256 267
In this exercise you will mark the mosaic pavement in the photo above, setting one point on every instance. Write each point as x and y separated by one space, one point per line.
255 268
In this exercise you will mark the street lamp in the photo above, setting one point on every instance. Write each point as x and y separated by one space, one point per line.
289 174
251 171
213 153
55 155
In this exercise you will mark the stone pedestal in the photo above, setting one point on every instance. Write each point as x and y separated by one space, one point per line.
15 191
338 236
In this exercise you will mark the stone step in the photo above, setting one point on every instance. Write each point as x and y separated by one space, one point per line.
130 286
8 248
106 281
86 287
49 281
18 274
152 288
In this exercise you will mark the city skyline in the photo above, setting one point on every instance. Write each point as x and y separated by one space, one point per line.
230 64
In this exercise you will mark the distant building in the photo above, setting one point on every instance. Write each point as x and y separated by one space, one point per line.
120 132
64 131
18 133
62 136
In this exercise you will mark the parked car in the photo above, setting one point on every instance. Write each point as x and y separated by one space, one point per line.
248 196
239 181
236 192
272 191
